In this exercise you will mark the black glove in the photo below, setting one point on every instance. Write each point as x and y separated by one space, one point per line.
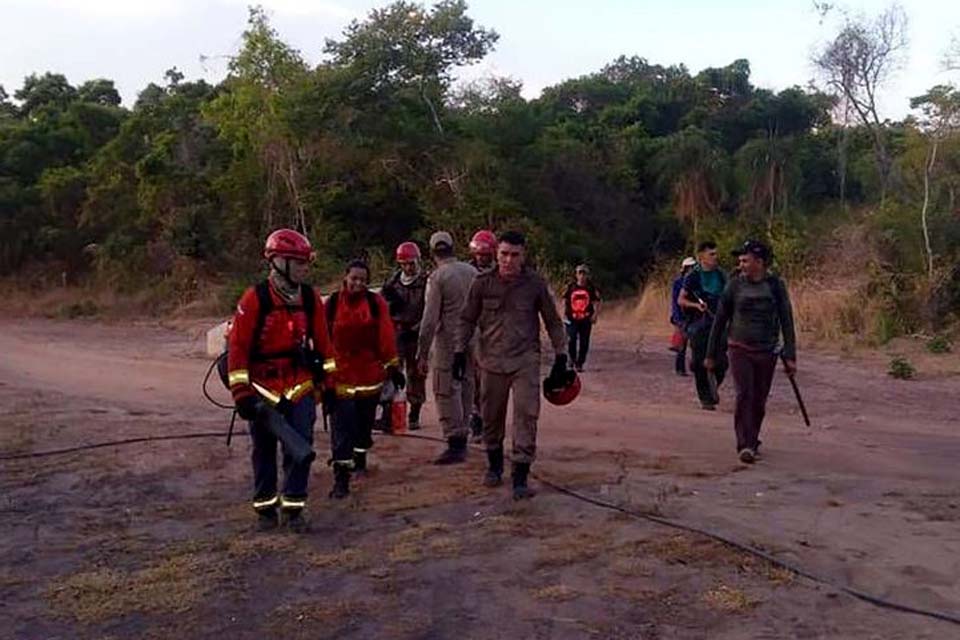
284 407
558 372
248 407
329 398
460 366
315 364
396 377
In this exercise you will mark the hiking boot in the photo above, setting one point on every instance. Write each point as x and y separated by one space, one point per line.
456 452
341 482
520 489
360 462
296 522
476 428
494 475
413 420
579 368
747 456
267 520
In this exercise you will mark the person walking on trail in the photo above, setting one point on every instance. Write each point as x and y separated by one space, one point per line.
581 305
447 289
363 336
756 308
404 293
506 305
678 341
699 298
483 257
279 358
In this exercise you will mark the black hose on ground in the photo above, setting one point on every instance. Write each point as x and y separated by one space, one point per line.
730 542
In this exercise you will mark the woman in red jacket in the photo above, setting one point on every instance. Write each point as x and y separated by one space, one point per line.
364 341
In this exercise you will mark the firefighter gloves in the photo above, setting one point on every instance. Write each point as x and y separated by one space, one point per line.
396 377
247 407
558 372
460 366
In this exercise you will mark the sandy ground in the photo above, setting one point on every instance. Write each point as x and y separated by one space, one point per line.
155 541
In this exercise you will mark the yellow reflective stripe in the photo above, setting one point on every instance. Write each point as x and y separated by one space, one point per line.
329 366
292 394
260 504
266 393
298 391
393 363
287 503
359 390
240 376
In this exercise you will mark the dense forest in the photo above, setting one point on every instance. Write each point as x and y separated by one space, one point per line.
379 143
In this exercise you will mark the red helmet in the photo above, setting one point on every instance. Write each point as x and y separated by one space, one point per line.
483 241
287 243
565 393
408 252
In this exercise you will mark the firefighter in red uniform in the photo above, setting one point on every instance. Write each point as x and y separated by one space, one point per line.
279 356
365 342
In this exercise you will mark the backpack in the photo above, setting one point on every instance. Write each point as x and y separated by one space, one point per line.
264 307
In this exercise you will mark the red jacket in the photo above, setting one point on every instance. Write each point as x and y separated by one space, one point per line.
365 345
277 371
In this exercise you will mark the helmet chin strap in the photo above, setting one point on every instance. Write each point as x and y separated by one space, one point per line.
284 275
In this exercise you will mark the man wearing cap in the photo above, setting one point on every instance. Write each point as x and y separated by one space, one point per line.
447 289
506 305
678 342
756 309
699 298
581 307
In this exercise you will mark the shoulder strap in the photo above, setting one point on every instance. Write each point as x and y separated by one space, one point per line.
332 311
309 300
264 307
374 307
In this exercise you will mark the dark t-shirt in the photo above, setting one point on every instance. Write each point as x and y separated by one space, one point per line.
578 302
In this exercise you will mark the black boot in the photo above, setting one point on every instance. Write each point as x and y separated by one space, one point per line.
360 462
341 482
383 424
413 421
295 521
456 451
476 428
494 475
267 519
520 489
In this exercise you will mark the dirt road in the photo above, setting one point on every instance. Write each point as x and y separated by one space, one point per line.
155 541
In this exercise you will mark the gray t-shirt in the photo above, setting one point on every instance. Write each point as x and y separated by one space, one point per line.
757 313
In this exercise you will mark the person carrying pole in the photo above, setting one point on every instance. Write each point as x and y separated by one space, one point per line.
755 310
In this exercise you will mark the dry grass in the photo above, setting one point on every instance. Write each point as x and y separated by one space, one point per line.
353 559
171 586
572 548
556 593
728 600
315 619
415 544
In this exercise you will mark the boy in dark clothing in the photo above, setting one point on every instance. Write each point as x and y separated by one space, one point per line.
757 309
699 298
679 340
581 304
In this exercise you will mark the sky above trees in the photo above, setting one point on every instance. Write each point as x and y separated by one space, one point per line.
542 41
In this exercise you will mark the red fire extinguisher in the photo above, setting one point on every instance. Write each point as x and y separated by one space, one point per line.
398 412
